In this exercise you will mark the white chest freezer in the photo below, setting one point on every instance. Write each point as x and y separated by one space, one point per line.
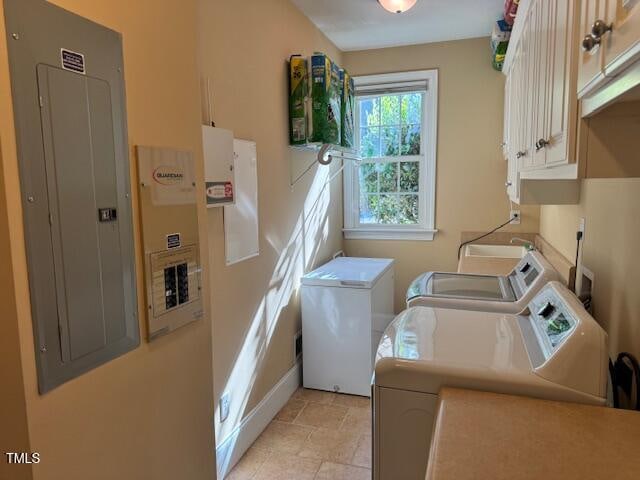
346 306
555 350
487 293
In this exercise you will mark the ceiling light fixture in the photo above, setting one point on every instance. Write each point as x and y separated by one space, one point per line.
397 6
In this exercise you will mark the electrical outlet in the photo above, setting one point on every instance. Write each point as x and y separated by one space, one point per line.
225 402
582 226
515 217
584 287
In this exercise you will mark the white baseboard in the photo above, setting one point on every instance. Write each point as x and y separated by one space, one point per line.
239 440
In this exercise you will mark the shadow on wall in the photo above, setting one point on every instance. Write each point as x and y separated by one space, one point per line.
300 253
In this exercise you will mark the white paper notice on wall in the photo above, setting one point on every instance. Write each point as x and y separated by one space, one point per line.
241 234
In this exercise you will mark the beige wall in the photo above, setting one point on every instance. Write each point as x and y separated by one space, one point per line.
611 208
146 415
14 434
256 313
470 168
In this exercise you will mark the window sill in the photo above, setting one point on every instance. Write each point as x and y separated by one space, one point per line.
415 234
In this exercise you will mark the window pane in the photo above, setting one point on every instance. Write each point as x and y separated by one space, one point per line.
388 209
408 209
411 108
388 176
389 191
369 112
390 142
390 110
368 178
410 140
369 208
409 176
370 142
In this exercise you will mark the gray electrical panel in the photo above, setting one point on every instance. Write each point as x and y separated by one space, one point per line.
68 94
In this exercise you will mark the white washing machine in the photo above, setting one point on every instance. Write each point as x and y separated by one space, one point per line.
554 350
485 293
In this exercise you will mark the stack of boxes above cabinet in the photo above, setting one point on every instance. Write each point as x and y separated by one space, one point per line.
566 62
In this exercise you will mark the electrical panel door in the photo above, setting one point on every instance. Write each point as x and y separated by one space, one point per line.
170 234
68 93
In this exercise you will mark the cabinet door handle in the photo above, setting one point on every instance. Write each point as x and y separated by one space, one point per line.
599 28
589 42
508 184
540 144
521 154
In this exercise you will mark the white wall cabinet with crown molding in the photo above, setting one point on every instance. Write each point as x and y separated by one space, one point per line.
541 109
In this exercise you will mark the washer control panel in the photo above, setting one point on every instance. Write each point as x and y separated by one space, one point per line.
552 320
525 273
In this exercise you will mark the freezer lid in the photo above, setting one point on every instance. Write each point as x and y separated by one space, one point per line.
424 343
350 272
462 286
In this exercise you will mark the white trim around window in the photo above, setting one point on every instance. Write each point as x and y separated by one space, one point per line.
425 228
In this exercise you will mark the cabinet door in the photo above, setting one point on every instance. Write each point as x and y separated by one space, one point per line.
541 22
561 100
515 106
591 63
513 127
506 123
528 98
623 43
515 100
531 42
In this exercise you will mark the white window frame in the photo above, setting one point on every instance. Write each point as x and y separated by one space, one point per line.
425 229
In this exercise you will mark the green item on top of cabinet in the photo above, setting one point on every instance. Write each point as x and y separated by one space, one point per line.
348 109
498 56
326 93
500 42
298 94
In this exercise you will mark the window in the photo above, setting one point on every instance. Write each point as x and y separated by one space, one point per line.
391 193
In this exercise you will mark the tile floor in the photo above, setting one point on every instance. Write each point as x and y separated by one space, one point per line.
316 436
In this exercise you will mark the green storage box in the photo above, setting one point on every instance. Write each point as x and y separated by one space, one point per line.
298 93
326 92
348 109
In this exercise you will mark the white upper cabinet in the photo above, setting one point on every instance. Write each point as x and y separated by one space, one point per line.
540 100
561 100
591 64
623 46
566 60
610 41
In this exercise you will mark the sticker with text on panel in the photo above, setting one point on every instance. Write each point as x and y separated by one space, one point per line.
72 61
173 240
219 192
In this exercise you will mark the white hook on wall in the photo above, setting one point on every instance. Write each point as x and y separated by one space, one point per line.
326 154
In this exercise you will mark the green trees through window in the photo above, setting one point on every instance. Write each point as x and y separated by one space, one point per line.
390 144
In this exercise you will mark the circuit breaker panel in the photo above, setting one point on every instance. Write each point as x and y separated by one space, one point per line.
175 279
68 94
170 235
